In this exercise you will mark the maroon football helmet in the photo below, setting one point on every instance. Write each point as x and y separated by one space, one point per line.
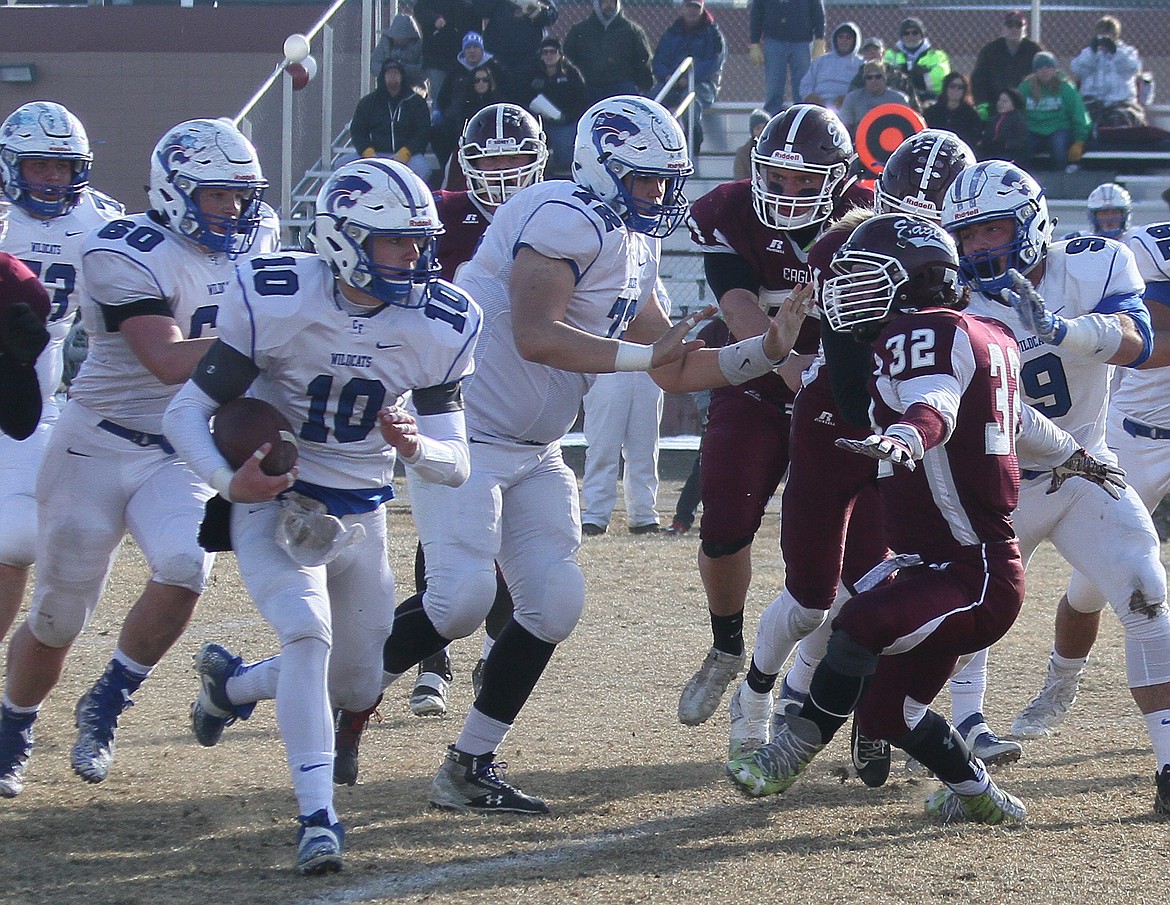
501 130
808 138
893 262
919 172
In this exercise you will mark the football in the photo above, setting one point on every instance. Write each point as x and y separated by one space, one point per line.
19 284
243 425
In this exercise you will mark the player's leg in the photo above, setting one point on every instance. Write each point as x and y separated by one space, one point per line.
607 410
20 462
640 452
745 453
163 515
538 555
428 697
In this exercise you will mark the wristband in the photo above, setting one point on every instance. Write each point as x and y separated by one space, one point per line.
633 357
745 360
221 481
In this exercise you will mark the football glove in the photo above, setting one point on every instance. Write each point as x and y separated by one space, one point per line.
24 335
882 448
1080 464
1032 310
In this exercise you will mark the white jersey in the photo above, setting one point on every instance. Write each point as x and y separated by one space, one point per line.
1080 276
52 250
616 269
1143 394
131 260
329 365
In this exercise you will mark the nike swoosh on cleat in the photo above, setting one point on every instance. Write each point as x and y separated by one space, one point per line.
74 452
305 768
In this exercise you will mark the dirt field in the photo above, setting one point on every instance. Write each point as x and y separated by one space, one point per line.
641 810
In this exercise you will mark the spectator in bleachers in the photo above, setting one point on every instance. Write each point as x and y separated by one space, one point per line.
443 24
612 53
785 35
925 65
393 120
876 92
693 34
827 80
741 167
1056 115
513 33
954 110
1006 136
402 41
873 50
464 84
1106 72
555 91
1002 63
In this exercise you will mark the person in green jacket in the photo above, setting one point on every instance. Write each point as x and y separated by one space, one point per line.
1057 120
924 65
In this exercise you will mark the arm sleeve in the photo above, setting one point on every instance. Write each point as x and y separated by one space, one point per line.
726 271
186 425
443 456
1040 444
756 24
850 365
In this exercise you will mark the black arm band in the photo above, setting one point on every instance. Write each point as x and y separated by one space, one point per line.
115 315
438 400
224 373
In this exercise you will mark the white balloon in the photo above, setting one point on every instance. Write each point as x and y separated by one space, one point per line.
296 48
310 64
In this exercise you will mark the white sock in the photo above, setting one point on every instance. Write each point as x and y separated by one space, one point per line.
1158 725
481 734
968 686
138 669
1062 667
755 705
306 723
23 711
258 682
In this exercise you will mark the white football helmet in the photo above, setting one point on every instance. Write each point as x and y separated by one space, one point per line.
1110 197
627 135
43 130
377 197
501 130
206 153
997 190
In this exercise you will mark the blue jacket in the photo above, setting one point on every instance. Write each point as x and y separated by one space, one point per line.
705 43
787 20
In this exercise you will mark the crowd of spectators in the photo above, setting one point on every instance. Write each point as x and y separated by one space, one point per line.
450 58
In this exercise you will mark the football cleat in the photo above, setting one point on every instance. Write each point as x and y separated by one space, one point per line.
677 529
748 732
774 767
16 742
348 728
319 844
96 718
871 758
1161 792
985 744
213 711
1043 713
429 697
992 806
701 695
470 783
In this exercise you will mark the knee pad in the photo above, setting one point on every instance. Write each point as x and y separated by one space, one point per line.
60 612
715 549
1084 596
847 656
458 604
782 626
1147 645
184 570
561 601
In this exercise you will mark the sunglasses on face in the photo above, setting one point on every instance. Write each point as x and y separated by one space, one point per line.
874 77
549 50
482 81
911 33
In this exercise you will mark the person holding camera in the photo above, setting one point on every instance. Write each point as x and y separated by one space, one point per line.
1106 70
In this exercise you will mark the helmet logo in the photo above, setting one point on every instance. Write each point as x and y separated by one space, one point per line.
613 130
918 233
179 151
346 191
794 157
422 221
501 144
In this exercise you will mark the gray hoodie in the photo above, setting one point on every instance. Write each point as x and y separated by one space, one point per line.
829 75
401 41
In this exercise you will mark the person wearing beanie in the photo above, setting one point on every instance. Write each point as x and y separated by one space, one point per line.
785 36
393 120
1057 119
742 166
612 53
923 64
1002 63
459 93
693 34
827 80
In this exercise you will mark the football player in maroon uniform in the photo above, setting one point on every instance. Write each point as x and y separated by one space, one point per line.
944 396
755 235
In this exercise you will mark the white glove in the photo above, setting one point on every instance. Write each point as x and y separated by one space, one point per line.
1080 464
885 569
1029 305
882 448
309 534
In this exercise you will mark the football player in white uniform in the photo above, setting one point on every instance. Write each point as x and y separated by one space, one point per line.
565 275
44 164
1110 207
153 286
334 340
1076 309
1138 427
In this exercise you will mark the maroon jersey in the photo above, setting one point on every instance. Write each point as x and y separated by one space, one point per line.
464 223
964 490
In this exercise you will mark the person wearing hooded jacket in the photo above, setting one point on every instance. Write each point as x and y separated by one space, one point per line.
829 76
924 64
612 53
393 120
513 32
693 34
402 41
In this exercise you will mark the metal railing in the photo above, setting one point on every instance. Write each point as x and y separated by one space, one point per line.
687 106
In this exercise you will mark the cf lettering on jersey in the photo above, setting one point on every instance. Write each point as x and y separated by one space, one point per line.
217 288
347 360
